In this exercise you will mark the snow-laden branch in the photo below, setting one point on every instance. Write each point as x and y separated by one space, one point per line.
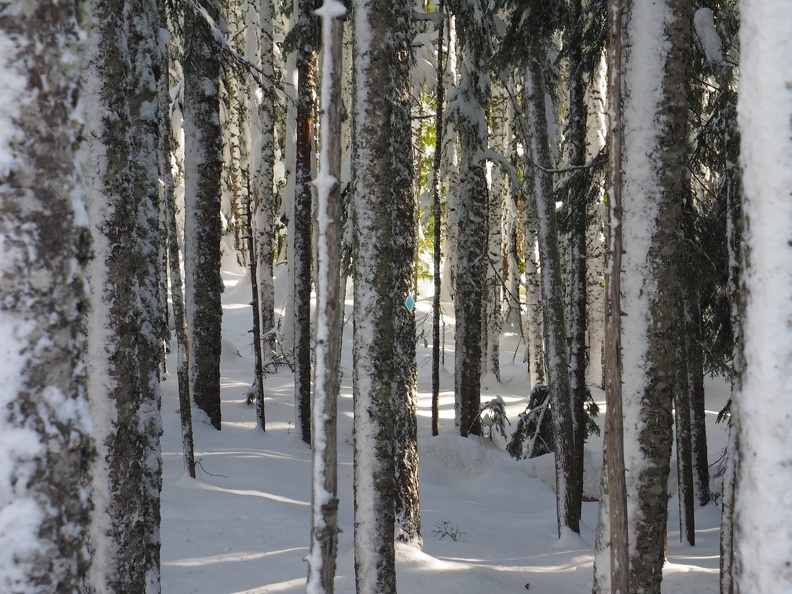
226 52
704 23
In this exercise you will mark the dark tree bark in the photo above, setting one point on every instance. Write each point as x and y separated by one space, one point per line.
303 214
471 264
263 183
437 213
734 223
552 294
44 428
381 130
654 133
684 452
174 257
120 89
612 532
578 313
403 270
203 165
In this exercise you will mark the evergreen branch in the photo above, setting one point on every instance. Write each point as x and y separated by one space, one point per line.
226 53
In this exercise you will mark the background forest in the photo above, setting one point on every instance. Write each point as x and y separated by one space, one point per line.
530 244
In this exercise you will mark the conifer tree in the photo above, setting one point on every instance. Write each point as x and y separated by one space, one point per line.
45 435
124 349
203 163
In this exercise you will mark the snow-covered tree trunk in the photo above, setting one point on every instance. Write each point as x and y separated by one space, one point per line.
734 217
450 173
493 312
381 59
595 248
203 164
235 120
533 294
656 41
264 178
557 361
44 427
763 408
123 335
330 311
403 270
468 110
442 61
174 255
286 212
303 211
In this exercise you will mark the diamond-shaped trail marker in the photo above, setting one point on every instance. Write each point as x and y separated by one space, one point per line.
409 303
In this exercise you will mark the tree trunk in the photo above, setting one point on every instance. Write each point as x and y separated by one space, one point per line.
612 532
174 257
203 163
654 134
552 295
698 413
303 214
120 89
264 179
374 169
533 292
403 270
684 452
470 119
734 223
577 317
44 427
762 406
330 308
437 214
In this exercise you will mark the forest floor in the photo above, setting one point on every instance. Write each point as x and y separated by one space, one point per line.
488 521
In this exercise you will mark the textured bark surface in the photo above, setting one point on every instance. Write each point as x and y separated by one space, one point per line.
403 279
47 445
123 326
175 251
577 291
611 560
330 308
203 167
655 107
734 238
682 434
374 169
553 319
303 214
442 61
472 98
263 182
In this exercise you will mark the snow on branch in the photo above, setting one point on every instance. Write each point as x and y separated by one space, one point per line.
704 23
226 53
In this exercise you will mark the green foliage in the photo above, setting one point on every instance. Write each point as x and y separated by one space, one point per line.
527 21
581 188
715 180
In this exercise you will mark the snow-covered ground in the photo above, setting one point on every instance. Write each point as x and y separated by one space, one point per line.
244 524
